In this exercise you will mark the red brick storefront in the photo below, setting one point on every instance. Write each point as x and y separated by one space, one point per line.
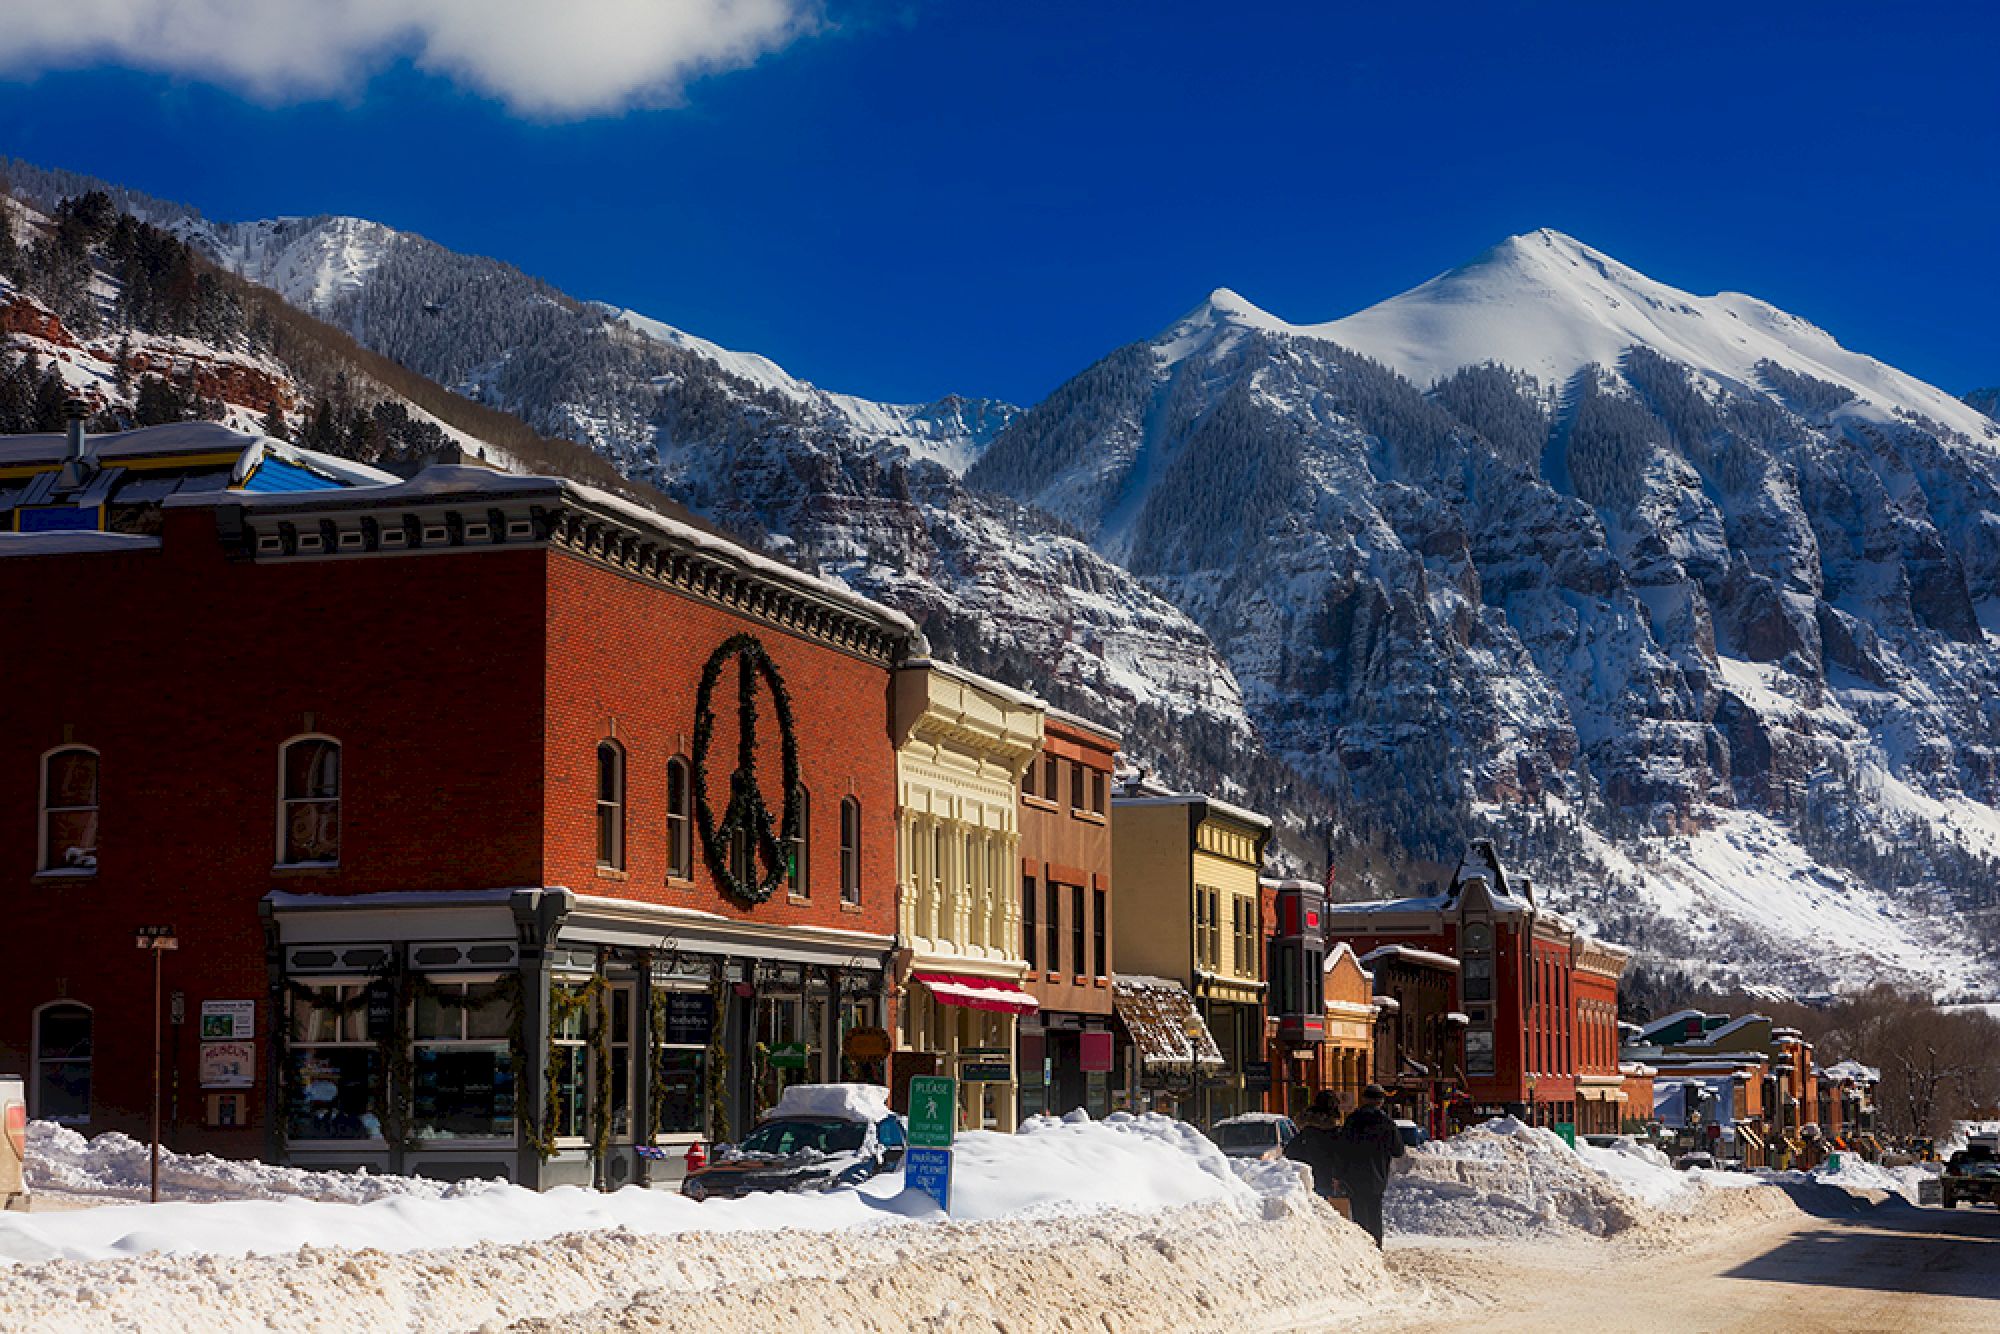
444 927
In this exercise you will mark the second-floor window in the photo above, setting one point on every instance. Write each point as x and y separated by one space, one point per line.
69 810
309 802
1077 927
1053 928
798 878
1098 927
1029 945
850 850
611 806
680 821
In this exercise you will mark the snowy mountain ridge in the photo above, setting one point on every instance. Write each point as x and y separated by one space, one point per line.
1548 305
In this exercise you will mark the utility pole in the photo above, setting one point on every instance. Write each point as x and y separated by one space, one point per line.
157 939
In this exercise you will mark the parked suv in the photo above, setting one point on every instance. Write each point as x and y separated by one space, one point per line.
13 1144
1254 1135
818 1137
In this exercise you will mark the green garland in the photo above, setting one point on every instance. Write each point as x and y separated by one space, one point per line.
746 813
566 1003
716 1076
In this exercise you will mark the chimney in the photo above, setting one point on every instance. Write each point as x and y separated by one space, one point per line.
77 461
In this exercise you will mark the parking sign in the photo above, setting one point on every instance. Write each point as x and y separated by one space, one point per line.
929 1170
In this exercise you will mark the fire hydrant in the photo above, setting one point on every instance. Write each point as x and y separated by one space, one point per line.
697 1157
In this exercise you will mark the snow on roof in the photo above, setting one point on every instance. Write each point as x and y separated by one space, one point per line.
1388 1003
1341 947
1424 903
1853 1072
194 437
1458 1016
1012 694
1163 1022
70 544
1713 1038
452 481
1410 954
845 1102
1228 810
1678 1016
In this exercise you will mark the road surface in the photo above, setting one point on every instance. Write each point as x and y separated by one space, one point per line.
1861 1266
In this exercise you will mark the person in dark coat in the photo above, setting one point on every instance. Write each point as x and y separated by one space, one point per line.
1369 1142
1318 1143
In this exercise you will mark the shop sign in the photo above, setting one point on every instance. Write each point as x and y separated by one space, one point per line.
933 1111
1257 1075
929 1171
690 1019
1567 1129
986 1065
788 1056
228 1065
1093 1052
224 1020
865 1044
381 1011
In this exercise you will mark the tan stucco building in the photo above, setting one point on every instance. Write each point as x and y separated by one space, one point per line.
1190 910
962 743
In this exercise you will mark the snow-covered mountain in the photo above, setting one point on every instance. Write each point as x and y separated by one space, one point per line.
1696 608
1693 603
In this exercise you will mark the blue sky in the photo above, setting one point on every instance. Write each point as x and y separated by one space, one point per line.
903 200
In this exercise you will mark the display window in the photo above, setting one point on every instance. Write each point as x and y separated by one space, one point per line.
333 1074
462 1063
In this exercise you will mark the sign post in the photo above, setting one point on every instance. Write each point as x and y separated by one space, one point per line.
158 939
933 1126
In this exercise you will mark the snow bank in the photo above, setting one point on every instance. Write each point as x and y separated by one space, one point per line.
1505 1179
1858 1176
1139 1164
1128 1216
111 1164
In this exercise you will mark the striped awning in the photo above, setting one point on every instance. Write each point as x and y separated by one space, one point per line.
978 993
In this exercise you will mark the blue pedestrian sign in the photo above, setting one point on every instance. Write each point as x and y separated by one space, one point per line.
929 1170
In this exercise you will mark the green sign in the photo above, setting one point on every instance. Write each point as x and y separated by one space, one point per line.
933 1111
1567 1129
789 1056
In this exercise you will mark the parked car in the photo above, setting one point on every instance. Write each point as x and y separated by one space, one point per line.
13 1143
1254 1135
1602 1141
1971 1175
818 1137
1413 1134
1698 1158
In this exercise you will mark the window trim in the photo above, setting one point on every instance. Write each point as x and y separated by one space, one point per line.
617 804
680 828
448 979
35 1058
339 800
43 811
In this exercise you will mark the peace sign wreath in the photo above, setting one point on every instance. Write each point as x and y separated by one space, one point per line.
746 813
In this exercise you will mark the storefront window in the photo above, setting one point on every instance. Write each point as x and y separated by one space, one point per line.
790 1030
680 1038
570 1054
463 1064
332 1080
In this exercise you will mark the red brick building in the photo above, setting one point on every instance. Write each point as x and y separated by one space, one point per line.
445 788
1532 988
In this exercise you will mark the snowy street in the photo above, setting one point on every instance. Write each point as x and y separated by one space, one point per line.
1890 1268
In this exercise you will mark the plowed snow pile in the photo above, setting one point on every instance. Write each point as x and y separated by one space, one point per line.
1139 1219
1505 1179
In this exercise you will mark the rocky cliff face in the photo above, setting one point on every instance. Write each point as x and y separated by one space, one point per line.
1704 637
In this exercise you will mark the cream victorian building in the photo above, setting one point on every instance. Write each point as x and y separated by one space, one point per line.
962 742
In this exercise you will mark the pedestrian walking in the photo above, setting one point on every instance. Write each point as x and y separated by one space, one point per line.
1369 1142
1318 1144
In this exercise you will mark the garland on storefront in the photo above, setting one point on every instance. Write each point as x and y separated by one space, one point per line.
298 993
566 1003
716 1076
746 813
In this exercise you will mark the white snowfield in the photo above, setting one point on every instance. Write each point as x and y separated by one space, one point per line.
1138 1217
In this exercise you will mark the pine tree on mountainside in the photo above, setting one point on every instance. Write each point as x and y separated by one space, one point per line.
121 366
274 422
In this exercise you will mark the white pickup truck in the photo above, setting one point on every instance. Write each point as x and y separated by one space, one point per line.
13 1143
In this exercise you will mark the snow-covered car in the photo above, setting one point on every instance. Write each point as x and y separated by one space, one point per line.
1603 1141
1697 1159
13 1143
819 1137
1254 1135
1413 1135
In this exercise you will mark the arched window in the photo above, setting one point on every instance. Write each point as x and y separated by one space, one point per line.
62 1064
69 810
309 802
850 851
680 821
798 870
611 805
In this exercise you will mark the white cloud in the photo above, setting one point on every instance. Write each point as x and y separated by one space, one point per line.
550 58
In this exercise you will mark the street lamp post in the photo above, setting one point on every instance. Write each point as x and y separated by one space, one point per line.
157 939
